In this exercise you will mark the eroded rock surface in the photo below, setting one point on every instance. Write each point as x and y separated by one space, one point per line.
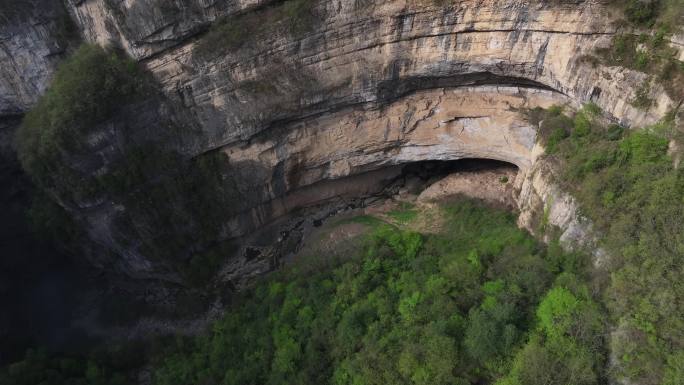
491 185
405 47
443 124
34 35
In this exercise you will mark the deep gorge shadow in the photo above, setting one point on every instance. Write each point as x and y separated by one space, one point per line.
41 286
441 168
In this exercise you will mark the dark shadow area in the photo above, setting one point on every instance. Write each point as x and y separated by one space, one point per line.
429 170
279 239
43 290
40 286
389 90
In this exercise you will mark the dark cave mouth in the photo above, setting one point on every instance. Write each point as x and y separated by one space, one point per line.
431 170
384 182
282 239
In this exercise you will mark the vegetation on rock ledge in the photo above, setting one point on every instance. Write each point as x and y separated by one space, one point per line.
231 32
87 89
173 205
643 45
628 186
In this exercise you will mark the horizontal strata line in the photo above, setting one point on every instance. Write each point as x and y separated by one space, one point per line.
312 59
201 29
182 41
451 33
549 31
265 130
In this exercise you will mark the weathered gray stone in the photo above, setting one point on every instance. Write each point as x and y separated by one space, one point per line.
34 36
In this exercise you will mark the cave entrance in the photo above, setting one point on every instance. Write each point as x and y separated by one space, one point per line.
400 189
434 180
302 230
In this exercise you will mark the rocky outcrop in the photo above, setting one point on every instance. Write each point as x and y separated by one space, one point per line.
442 124
543 206
406 47
34 35
149 27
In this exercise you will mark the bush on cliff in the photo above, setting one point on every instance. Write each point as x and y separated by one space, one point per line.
644 46
87 89
651 54
649 13
172 204
642 12
232 32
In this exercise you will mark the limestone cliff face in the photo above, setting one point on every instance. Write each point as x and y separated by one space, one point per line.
34 35
542 204
438 124
405 47
149 27
366 85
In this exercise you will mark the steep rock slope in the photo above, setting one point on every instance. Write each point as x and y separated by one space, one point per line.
405 47
34 35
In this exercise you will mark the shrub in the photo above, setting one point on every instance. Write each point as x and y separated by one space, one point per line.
202 267
581 124
557 312
642 12
641 60
623 50
642 97
665 14
491 332
404 214
671 13
675 369
614 132
87 89
558 134
627 185
230 33
642 148
298 15
51 222
554 126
